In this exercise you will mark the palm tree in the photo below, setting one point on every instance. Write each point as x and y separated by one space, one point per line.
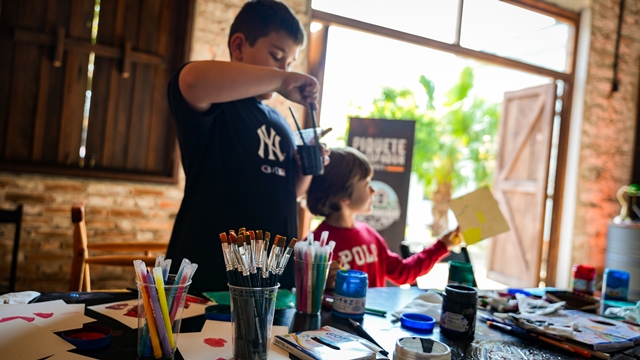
454 148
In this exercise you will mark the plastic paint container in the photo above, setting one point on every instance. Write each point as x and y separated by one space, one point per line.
418 322
460 272
615 285
458 316
350 293
419 348
584 279
88 337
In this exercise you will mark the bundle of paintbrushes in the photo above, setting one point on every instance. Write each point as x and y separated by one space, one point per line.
249 259
313 259
163 297
253 268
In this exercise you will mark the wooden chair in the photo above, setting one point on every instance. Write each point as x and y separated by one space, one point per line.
80 275
12 217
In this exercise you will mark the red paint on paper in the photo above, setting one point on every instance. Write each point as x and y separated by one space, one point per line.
117 306
215 342
43 315
9 318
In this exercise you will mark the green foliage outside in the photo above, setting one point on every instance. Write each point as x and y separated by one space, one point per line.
455 141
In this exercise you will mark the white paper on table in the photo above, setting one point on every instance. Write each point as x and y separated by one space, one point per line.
126 311
51 315
18 337
193 346
68 356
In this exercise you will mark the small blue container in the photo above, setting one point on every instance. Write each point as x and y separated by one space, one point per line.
418 322
350 293
615 285
88 337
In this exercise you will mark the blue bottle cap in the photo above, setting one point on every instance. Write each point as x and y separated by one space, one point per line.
418 322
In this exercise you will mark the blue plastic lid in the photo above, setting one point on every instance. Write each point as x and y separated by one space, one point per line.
88 337
417 322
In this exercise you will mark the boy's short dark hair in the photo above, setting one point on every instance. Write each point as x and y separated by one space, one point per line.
259 18
347 166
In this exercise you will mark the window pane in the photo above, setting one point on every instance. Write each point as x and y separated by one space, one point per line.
432 19
495 27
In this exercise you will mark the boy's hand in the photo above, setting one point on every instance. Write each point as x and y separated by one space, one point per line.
300 88
451 238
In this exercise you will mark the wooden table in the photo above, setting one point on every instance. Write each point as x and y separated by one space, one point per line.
487 344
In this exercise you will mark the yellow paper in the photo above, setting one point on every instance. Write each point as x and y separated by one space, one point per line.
478 215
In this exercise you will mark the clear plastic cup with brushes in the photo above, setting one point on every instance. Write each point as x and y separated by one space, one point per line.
309 148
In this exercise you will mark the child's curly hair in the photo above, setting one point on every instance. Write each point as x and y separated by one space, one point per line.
347 166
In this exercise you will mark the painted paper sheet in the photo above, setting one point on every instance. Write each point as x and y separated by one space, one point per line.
126 311
17 339
478 215
51 315
214 343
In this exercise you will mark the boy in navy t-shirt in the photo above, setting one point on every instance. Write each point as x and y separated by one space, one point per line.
239 154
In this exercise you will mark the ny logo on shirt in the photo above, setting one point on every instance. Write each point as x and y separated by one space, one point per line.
271 141
361 254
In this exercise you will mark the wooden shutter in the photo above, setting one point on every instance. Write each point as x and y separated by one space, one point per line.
45 48
520 186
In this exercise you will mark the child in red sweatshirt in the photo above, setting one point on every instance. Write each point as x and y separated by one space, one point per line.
342 192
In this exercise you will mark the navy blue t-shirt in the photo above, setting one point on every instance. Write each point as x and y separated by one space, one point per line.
240 172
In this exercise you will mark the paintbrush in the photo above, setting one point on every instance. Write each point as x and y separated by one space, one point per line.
227 257
295 120
259 254
242 261
365 335
283 261
265 266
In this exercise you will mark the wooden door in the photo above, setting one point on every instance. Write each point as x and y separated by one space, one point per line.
520 184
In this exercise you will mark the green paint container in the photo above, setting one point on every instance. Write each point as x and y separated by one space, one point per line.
460 273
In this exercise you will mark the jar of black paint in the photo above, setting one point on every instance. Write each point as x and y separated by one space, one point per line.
458 316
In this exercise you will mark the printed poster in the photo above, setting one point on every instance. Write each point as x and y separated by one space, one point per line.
388 144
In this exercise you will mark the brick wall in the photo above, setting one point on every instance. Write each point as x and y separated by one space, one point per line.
608 130
114 209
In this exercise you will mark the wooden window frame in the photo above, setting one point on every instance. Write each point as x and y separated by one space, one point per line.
317 58
44 136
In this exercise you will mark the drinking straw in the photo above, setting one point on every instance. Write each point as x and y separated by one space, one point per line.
155 306
155 342
295 120
162 297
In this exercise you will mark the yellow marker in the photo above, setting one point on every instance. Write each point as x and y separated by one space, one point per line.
481 217
157 274
151 322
